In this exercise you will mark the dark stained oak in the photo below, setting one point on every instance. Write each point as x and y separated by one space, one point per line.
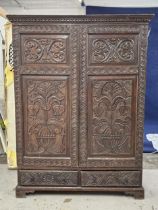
79 92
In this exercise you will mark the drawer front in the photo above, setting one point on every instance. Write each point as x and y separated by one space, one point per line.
110 178
48 178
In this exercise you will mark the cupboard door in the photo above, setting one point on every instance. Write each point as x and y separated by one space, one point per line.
110 112
47 90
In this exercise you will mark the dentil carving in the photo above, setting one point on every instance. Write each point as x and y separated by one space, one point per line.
45 50
111 117
46 117
112 50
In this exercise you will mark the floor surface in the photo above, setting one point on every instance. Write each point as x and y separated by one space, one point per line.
72 201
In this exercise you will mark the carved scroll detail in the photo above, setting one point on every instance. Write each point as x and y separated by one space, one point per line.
44 50
112 50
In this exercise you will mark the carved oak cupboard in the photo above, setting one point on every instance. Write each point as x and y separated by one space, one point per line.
79 90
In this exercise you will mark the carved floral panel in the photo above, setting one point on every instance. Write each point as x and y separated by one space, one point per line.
45 49
46 113
110 116
110 49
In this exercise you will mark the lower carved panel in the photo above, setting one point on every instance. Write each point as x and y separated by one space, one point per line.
111 120
111 178
48 178
46 114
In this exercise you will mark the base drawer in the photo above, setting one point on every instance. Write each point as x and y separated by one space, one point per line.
47 178
111 178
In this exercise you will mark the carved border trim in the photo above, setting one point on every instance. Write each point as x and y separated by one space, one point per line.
112 70
17 82
47 70
141 94
83 98
133 29
74 91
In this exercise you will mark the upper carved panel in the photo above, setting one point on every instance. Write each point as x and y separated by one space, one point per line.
106 49
45 49
111 117
46 115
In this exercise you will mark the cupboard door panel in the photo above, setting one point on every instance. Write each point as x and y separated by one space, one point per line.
46 108
47 115
111 116
112 109
111 122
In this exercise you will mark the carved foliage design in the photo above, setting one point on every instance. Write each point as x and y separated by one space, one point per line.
112 50
46 117
121 178
44 50
111 117
48 178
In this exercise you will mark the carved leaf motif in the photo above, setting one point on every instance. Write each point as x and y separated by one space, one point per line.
111 118
46 117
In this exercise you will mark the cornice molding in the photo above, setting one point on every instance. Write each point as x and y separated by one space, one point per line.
80 18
